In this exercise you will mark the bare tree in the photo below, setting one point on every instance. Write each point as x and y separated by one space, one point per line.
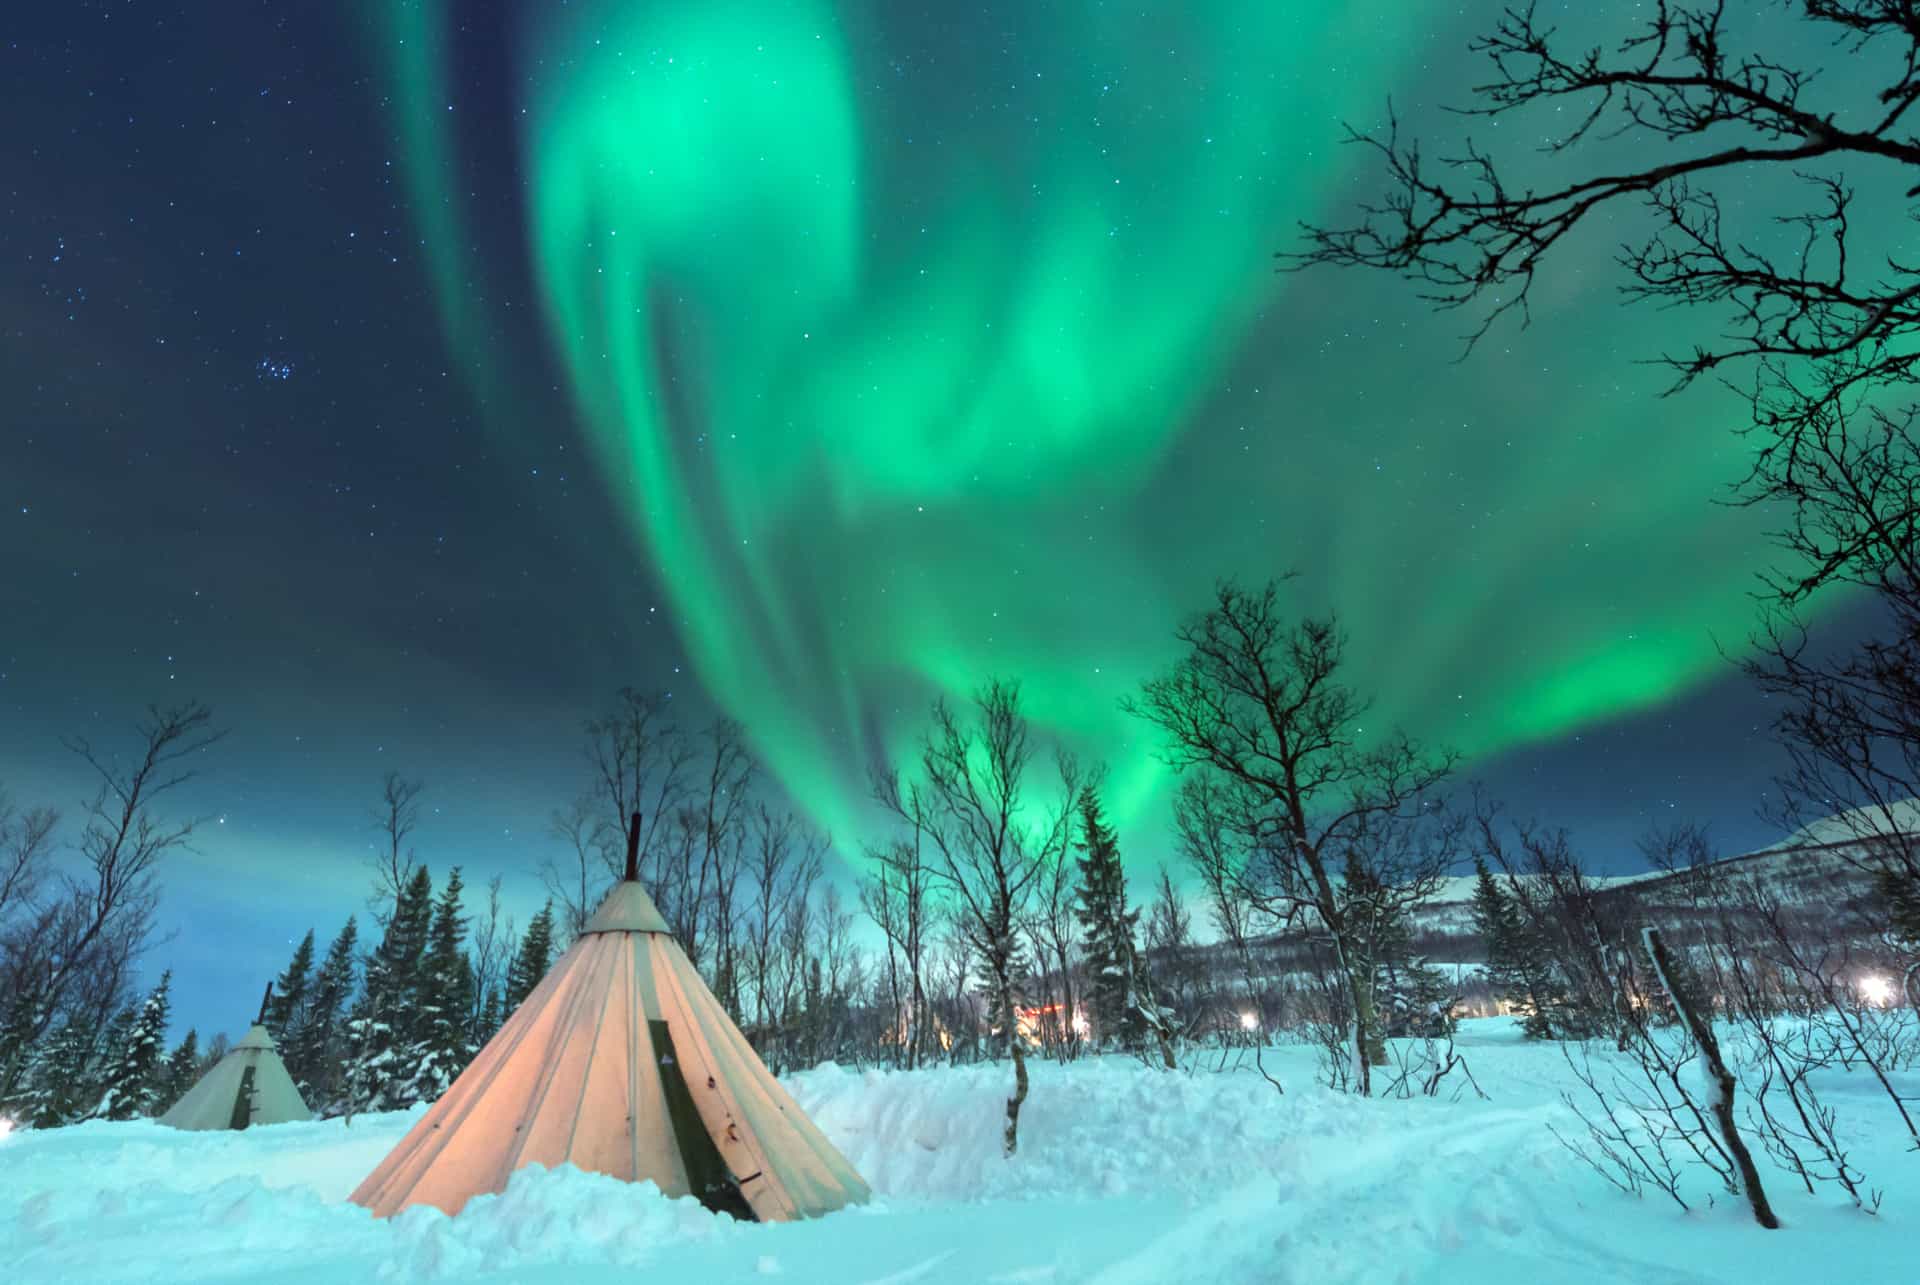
839 959
1169 934
723 794
1257 706
784 858
952 972
1680 990
1202 819
577 880
969 803
394 862
26 852
492 947
640 761
1817 333
72 950
1053 928
898 898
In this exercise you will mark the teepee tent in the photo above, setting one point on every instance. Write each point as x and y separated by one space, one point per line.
248 1086
621 1062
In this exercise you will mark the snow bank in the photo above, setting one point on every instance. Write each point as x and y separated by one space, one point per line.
1124 1175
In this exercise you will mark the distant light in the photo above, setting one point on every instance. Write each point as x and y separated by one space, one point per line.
1248 1021
1876 990
6 1126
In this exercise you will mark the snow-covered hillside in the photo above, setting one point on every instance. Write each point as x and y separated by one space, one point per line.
1124 1175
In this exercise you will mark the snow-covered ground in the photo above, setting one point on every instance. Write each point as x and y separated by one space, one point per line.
1124 1175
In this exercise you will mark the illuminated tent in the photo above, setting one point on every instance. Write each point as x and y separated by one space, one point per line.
248 1086
621 1062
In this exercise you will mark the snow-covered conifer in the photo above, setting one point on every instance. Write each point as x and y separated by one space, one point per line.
290 990
136 1074
530 962
440 1050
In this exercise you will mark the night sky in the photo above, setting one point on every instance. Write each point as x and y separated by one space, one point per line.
401 380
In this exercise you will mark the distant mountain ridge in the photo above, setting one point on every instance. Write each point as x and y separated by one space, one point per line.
1813 871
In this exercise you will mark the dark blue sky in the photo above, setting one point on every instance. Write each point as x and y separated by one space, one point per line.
235 467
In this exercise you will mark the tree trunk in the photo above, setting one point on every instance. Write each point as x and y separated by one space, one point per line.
1019 1095
1724 1083
1067 1029
1012 1035
1369 1035
1166 1048
1369 1050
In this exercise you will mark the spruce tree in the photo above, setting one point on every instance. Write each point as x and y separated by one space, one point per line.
135 1074
1108 931
491 1018
1498 922
105 1051
25 1013
385 1021
315 1047
290 991
531 961
1519 964
181 1070
441 1050
56 1088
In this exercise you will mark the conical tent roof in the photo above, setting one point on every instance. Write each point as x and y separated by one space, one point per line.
248 1086
621 1062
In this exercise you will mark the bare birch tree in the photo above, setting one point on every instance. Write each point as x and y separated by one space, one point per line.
969 800
1258 706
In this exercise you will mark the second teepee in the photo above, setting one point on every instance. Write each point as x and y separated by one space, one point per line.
248 1086
621 1062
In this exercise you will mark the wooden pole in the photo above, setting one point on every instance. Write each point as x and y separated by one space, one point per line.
265 1000
633 849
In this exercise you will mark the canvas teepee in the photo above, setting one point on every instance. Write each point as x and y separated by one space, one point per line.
248 1086
622 1062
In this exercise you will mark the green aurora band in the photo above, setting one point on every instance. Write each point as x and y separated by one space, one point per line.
914 361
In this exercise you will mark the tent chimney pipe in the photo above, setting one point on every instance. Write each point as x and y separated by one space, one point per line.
265 1000
633 849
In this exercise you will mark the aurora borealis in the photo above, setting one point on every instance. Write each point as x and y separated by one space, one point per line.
403 378
915 354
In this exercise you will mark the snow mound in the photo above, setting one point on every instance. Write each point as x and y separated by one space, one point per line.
1124 1175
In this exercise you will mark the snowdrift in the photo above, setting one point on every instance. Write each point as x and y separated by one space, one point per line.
1124 1175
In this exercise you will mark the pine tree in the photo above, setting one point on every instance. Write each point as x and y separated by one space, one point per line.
134 1077
25 1013
1498 922
290 991
531 961
385 1021
1518 963
182 1068
315 1046
441 1051
1109 931
58 1076
491 1018
105 1051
